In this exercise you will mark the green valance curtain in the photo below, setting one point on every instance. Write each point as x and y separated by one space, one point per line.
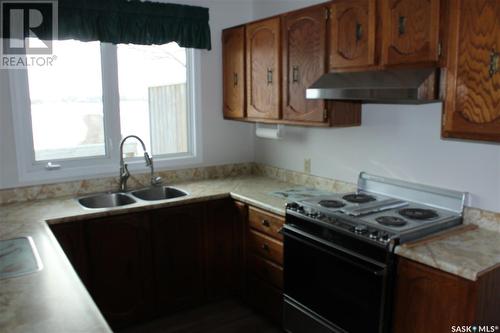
134 22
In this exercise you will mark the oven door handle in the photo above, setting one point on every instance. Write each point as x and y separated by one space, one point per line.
331 250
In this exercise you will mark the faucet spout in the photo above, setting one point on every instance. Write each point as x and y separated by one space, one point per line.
125 174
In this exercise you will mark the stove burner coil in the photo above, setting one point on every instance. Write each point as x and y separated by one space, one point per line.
391 221
331 204
358 198
418 213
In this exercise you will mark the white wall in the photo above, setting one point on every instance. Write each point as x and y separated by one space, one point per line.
223 141
395 141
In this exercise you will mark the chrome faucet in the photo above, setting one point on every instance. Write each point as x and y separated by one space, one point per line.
125 174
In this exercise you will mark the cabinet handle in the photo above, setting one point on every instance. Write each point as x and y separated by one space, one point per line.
295 74
235 79
494 59
269 76
402 25
265 223
359 32
265 247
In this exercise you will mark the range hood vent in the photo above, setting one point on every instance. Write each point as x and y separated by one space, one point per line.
396 86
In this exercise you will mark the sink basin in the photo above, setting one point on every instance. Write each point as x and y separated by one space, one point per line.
106 200
158 193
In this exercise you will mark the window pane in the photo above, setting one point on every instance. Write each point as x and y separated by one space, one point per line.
66 103
153 103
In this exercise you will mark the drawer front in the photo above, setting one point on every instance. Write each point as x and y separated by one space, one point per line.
266 223
266 270
266 298
265 246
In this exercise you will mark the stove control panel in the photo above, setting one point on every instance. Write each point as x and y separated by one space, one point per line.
359 229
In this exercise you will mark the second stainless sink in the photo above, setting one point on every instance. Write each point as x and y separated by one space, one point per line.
106 200
158 193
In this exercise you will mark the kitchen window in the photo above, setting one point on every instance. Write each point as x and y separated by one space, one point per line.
70 117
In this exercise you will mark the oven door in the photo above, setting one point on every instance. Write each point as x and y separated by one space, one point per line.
333 284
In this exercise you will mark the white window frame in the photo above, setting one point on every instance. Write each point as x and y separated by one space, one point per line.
32 172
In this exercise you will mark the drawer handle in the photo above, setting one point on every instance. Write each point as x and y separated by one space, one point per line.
265 247
265 223
494 59
402 25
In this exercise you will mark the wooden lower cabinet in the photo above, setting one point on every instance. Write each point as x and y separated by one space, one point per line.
120 268
177 242
267 299
429 300
223 248
71 238
264 259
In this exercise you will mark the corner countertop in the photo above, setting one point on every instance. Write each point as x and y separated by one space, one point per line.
54 299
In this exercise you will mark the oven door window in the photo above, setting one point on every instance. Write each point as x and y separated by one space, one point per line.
331 284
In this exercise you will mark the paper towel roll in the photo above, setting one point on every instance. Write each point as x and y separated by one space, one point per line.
269 131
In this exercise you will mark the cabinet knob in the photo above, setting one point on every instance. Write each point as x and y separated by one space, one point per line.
265 247
494 59
269 76
265 223
402 25
235 79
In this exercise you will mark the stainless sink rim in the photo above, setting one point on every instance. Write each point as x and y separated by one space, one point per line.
127 195
131 193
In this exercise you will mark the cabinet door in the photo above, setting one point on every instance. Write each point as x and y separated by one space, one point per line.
120 267
224 237
263 69
428 300
233 58
304 61
71 237
352 37
410 31
472 106
177 235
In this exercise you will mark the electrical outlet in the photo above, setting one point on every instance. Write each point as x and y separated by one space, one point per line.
307 165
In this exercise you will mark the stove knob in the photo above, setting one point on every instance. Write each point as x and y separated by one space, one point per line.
374 235
292 206
360 229
384 238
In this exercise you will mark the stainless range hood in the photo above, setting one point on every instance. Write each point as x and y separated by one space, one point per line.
397 86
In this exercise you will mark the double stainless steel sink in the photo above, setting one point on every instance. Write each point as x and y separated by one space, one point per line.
110 200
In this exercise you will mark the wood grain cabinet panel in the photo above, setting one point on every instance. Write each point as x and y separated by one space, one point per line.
233 59
304 61
410 32
430 300
353 33
265 222
177 242
223 247
472 105
71 237
120 267
263 41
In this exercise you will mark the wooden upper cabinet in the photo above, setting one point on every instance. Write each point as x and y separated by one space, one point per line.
472 106
410 32
353 33
263 69
304 61
233 58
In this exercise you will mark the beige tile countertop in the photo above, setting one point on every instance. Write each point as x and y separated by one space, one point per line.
54 300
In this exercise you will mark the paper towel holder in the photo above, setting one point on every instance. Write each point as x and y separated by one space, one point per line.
269 131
